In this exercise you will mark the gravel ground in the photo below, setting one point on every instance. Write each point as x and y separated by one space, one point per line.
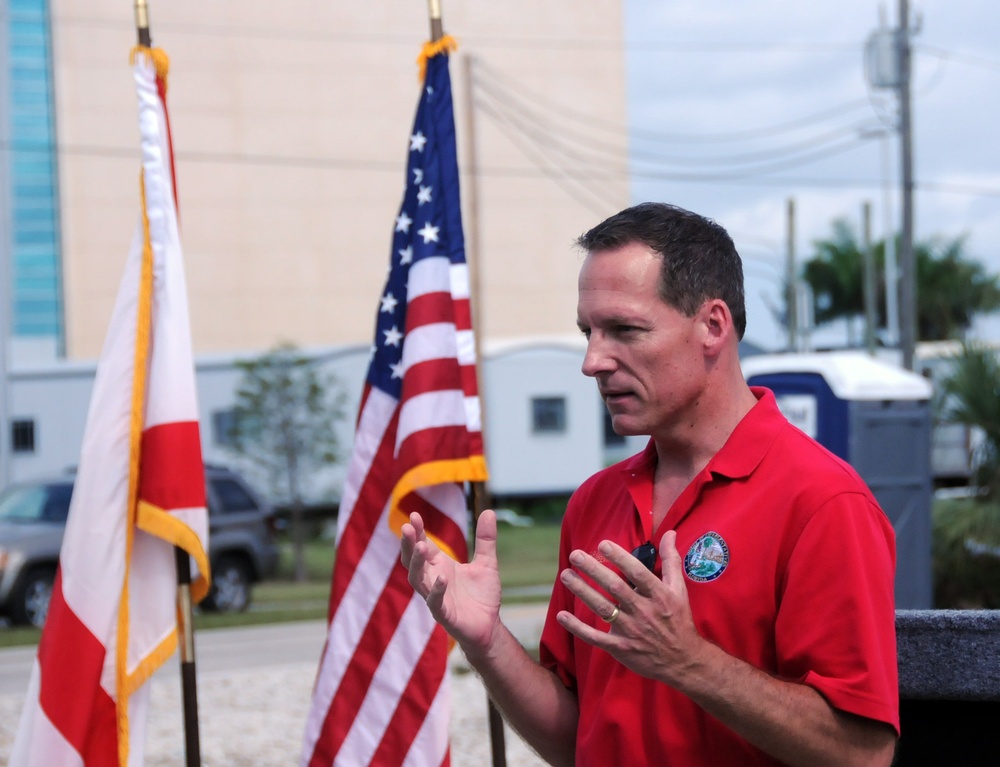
256 718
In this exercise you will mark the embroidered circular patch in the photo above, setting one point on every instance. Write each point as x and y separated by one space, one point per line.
707 558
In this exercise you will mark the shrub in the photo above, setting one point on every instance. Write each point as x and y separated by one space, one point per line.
966 554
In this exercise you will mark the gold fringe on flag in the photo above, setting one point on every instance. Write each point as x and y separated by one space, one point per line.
432 48
161 62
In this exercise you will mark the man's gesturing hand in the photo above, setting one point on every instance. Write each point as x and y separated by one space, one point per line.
652 632
464 598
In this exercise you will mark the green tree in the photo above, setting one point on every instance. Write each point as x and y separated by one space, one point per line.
835 275
286 415
973 397
951 288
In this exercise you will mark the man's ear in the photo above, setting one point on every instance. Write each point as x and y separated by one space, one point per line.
717 321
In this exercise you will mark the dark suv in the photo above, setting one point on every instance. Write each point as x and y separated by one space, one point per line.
241 545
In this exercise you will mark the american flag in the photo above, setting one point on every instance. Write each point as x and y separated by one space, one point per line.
139 492
381 696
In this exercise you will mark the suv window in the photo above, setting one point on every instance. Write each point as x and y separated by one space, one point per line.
231 496
43 503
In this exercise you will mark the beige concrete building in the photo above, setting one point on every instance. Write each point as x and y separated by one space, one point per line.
290 126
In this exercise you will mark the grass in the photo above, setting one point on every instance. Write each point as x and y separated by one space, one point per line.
527 557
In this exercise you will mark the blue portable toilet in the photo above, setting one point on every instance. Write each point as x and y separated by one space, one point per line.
877 417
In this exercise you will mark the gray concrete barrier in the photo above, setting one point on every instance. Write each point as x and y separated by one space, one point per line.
949 687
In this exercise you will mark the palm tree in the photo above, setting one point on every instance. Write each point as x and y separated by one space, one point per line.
951 289
973 397
835 275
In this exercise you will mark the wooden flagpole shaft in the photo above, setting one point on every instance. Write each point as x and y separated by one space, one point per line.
189 682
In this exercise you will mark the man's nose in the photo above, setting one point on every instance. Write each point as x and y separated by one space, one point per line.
596 360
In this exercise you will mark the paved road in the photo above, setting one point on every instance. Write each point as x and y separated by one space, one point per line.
255 647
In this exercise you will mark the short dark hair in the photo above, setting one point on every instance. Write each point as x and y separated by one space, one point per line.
699 259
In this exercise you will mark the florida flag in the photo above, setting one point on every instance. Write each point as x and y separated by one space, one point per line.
139 492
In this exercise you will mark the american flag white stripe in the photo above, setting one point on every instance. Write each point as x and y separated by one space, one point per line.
378 410
429 411
429 275
429 342
459 278
347 626
388 683
466 343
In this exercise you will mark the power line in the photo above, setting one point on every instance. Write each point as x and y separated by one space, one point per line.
964 58
492 41
516 90
554 143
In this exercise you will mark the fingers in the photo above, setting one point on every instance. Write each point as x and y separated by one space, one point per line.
611 591
416 552
616 584
486 536
673 575
412 532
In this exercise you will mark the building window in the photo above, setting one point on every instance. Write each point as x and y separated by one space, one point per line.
548 415
33 176
22 436
223 426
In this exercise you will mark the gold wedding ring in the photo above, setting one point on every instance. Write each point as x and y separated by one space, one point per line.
613 617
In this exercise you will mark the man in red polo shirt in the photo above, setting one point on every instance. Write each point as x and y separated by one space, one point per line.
725 597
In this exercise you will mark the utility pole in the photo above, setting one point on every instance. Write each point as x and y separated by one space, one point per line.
871 313
791 282
888 65
908 271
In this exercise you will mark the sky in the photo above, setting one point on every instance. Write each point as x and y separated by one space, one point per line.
737 107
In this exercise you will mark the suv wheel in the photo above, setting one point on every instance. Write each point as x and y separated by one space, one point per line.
30 605
230 592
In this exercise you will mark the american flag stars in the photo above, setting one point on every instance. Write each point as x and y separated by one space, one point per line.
417 142
429 233
388 303
392 336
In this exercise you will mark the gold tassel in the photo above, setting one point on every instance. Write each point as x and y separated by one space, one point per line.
447 44
161 62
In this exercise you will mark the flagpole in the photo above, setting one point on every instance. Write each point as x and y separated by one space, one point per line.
142 23
479 491
189 684
189 681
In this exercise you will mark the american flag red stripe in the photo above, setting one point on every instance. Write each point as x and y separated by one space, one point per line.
382 695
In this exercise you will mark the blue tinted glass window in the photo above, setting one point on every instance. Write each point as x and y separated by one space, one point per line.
36 262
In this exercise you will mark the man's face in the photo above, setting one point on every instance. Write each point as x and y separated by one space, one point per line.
645 355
